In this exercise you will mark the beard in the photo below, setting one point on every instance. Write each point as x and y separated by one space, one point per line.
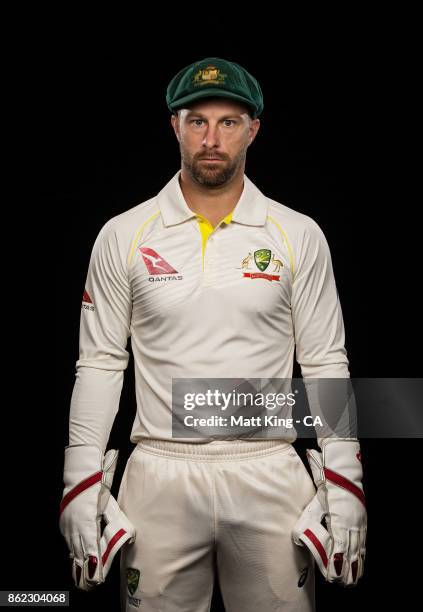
212 174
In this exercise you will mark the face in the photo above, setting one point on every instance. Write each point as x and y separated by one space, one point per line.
214 135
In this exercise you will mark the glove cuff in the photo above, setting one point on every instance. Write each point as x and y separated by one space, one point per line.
84 467
341 458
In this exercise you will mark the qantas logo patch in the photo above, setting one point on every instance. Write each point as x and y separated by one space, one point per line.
155 263
158 268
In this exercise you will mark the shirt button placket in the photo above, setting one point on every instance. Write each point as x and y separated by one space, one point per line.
210 262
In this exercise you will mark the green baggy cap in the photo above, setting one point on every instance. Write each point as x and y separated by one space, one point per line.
214 76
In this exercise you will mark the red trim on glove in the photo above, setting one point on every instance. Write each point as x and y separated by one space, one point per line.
80 487
343 482
318 545
111 543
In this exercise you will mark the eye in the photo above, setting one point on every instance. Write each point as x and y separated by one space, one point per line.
196 121
230 121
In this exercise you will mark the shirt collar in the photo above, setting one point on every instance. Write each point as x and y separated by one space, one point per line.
251 208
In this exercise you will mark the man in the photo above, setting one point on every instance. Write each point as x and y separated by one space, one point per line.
211 279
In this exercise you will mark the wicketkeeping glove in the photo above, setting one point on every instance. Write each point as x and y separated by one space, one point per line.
339 549
86 502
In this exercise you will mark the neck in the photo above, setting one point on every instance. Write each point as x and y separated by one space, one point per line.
213 203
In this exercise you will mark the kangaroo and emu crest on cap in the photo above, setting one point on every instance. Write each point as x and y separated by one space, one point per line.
214 76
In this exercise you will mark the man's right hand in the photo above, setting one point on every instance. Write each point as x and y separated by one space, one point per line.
88 476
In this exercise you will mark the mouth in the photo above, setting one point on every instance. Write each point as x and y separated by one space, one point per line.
210 159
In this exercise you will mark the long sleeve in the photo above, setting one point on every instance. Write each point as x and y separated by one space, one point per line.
316 310
104 332
320 337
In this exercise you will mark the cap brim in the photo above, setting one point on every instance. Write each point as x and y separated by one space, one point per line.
209 93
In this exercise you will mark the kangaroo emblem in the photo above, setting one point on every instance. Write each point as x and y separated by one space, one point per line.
277 262
245 262
154 260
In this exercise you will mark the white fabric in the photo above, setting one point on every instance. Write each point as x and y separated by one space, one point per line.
196 321
339 549
225 507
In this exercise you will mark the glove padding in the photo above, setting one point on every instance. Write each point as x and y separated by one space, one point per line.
86 501
339 549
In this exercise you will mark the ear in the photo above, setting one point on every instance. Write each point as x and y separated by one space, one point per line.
175 124
254 128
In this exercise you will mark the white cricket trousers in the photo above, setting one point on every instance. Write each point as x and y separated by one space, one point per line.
225 506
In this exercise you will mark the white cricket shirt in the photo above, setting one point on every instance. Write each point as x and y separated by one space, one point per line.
233 302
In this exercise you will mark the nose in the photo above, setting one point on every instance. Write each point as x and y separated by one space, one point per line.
211 137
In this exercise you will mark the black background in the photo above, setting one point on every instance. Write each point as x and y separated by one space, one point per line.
336 143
